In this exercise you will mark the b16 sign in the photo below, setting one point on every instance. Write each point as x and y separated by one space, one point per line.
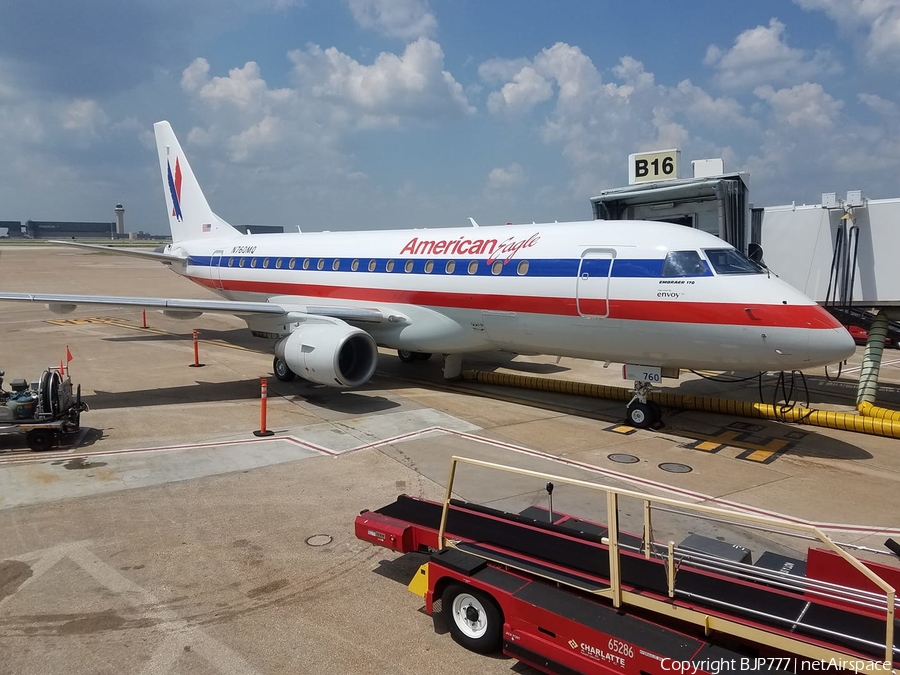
648 167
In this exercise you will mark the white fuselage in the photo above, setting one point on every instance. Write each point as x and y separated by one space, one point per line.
595 290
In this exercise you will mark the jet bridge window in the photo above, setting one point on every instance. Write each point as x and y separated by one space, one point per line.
731 261
684 264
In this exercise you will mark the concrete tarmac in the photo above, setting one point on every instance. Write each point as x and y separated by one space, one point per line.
167 538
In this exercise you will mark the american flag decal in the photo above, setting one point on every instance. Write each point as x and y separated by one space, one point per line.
206 227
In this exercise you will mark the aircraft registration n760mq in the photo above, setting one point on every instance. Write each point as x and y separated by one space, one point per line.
651 294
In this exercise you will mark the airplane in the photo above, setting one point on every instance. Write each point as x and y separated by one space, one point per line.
655 296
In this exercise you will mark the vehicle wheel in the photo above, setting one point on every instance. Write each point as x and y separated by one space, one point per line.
282 371
640 415
475 620
406 356
422 356
39 439
656 410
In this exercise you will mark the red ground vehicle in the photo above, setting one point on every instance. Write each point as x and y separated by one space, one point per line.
566 596
861 335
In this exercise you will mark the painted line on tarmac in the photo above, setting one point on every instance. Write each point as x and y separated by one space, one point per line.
413 435
31 458
883 363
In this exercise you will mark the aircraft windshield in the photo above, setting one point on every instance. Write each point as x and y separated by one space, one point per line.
731 261
684 264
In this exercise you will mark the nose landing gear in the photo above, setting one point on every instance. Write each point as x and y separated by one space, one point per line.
641 412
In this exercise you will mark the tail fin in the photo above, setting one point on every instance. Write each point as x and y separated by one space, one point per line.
189 214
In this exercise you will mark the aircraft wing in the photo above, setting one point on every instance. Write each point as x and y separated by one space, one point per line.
64 304
165 258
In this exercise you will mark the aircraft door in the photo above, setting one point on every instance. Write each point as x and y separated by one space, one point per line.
592 285
215 274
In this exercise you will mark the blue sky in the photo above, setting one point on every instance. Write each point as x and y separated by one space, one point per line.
363 114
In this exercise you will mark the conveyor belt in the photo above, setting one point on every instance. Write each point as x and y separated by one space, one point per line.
585 565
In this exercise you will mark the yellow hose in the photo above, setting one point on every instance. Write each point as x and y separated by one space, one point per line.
876 425
869 410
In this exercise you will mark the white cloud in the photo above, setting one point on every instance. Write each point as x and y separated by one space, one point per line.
243 87
806 106
879 20
83 116
498 71
526 89
404 19
880 105
761 55
412 85
505 178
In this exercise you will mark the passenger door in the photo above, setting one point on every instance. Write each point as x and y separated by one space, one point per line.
592 285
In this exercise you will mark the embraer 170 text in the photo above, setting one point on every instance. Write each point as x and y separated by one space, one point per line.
653 294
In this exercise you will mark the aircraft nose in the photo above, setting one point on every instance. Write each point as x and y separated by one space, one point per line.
830 346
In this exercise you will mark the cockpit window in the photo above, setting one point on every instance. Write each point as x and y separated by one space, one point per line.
731 261
684 264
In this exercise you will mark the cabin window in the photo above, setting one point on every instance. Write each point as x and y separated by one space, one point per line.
372 264
390 266
336 264
241 262
683 264
497 267
252 262
473 267
266 263
321 264
408 267
522 269
292 263
354 265
231 262
429 266
731 261
450 267
278 264
306 263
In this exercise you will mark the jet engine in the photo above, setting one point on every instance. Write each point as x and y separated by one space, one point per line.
336 355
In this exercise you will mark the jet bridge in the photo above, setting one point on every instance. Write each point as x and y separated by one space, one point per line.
716 204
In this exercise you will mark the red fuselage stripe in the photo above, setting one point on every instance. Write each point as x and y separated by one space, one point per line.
715 313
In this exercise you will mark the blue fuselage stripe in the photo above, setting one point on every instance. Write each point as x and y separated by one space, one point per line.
542 267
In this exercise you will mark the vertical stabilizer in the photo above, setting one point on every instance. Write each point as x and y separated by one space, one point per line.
189 214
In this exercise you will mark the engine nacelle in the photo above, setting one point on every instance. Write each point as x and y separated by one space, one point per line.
332 354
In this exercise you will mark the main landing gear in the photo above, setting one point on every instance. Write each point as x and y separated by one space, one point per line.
408 357
642 412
